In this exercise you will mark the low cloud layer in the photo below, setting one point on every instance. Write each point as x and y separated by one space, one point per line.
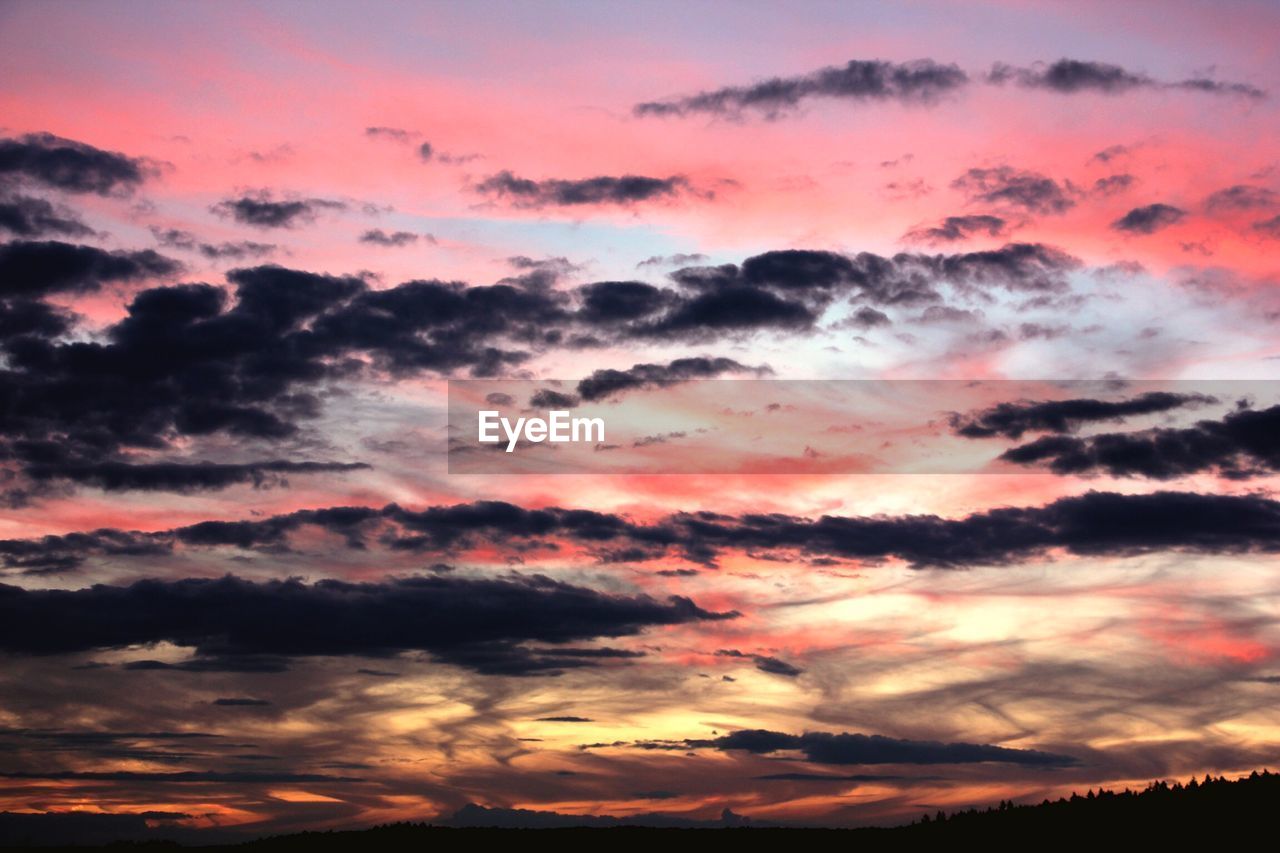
1012 420
247 361
845 748
1092 524
1245 443
483 625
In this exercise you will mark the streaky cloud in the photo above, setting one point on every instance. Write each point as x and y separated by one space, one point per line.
920 81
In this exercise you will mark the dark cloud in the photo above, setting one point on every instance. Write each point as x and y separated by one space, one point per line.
948 314
1015 188
241 250
432 529
789 289
484 625
443 326
241 702
26 216
546 398
921 81
797 270
235 777
178 476
564 719
261 210
1061 416
192 362
616 302
177 364
1242 197
443 527
678 259
1219 87
1015 267
774 666
1096 523
1113 184
1244 443
912 279
846 748
1039 331
658 438
32 269
476 816
869 318
624 190
955 228
22 318
425 151
183 363
237 251
831 777
603 384
378 237
726 310
539 273
70 166
67 737
214 663
393 133
1111 152
1149 219
1071 76
764 663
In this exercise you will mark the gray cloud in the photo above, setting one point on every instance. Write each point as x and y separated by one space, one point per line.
921 81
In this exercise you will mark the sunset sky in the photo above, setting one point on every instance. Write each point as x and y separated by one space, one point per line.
247 587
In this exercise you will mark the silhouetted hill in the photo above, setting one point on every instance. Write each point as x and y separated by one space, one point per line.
1217 811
